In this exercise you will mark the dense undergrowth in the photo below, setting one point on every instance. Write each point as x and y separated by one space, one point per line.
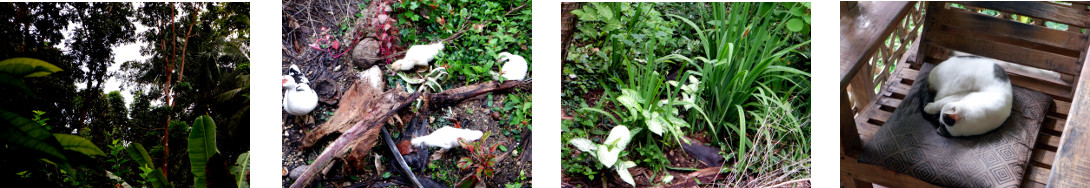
733 74
473 34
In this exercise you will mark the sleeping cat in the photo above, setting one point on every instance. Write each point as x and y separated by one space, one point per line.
972 93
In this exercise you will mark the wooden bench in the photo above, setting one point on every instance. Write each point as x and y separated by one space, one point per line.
874 36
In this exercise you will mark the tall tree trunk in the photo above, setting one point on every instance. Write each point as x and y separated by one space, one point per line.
167 94
567 26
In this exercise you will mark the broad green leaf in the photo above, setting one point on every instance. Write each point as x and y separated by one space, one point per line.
27 67
795 25
629 98
202 145
607 156
798 12
583 144
157 179
622 170
27 133
605 12
139 155
655 123
78 144
241 169
618 137
9 79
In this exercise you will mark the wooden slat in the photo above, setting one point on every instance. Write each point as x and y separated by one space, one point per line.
1007 28
880 116
1037 174
1047 142
966 42
1046 11
1053 126
891 102
863 27
1072 166
1026 183
850 167
899 89
1060 107
1042 156
1056 91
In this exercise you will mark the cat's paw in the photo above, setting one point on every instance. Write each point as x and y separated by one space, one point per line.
932 108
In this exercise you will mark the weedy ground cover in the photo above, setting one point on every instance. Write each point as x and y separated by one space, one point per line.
732 76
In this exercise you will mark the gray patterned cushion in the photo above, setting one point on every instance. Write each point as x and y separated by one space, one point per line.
908 144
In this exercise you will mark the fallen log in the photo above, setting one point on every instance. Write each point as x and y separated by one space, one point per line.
365 131
352 103
457 95
351 109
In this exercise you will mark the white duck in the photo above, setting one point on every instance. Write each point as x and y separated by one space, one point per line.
299 99
417 55
447 137
514 69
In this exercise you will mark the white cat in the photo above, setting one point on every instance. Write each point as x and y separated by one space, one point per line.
447 137
417 55
972 92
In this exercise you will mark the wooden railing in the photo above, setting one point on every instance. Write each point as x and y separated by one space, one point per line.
873 37
876 67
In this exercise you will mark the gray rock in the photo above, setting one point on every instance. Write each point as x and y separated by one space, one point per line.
298 171
364 54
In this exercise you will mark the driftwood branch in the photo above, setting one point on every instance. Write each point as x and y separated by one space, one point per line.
366 130
457 95
352 109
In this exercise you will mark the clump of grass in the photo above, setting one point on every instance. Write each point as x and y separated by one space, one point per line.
742 91
744 75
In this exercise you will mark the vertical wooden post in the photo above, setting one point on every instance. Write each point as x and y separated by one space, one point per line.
849 136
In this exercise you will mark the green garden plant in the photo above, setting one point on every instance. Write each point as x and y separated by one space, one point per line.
481 159
202 145
743 48
153 176
609 151
745 86
33 134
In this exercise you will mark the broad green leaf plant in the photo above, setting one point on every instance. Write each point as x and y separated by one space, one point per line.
609 151
33 134
202 145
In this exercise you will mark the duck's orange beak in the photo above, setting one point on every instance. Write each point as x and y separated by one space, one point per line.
283 81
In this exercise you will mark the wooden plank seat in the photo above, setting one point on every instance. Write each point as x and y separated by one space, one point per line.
1057 158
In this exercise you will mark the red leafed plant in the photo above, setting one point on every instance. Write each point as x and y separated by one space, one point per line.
481 157
385 28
